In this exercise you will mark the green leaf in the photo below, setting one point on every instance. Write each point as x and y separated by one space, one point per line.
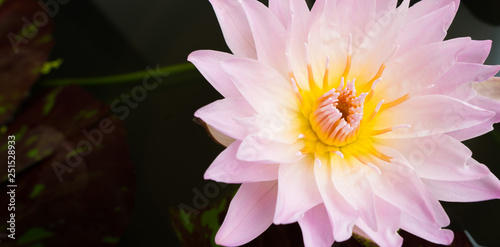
37 189
48 66
34 234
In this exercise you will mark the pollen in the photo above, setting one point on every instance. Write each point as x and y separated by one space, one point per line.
337 115
341 113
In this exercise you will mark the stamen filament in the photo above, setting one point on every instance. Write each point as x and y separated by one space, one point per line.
380 71
372 166
296 89
347 67
395 102
325 77
349 58
383 131
341 86
370 149
381 156
312 84
372 90
374 113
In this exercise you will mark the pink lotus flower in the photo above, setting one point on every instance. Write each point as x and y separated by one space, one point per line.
347 118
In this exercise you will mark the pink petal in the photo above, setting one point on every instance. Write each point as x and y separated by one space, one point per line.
227 168
400 186
208 63
284 9
476 52
378 43
384 6
235 27
425 230
428 63
281 9
323 41
427 29
316 227
487 104
250 213
259 149
317 11
297 191
427 6
357 16
442 218
472 132
430 115
349 178
388 220
269 35
342 216
488 98
297 37
221 115
338 22
438 157
278 126
457 81
486 188
332 25
264 88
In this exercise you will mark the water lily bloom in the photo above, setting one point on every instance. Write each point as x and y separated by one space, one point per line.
347 117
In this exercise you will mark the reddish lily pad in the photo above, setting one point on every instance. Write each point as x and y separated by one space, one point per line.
25 44
48 119
80 191
74 177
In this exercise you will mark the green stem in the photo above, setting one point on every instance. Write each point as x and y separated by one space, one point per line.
123 78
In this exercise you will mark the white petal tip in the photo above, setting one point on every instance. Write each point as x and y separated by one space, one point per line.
340 154
402 126
317 162
350 44
211 176
374 167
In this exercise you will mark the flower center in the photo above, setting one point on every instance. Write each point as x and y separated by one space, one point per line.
337 115
340 119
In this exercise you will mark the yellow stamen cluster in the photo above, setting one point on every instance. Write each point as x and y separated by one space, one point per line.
338 121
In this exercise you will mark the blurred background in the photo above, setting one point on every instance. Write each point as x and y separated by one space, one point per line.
107 160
